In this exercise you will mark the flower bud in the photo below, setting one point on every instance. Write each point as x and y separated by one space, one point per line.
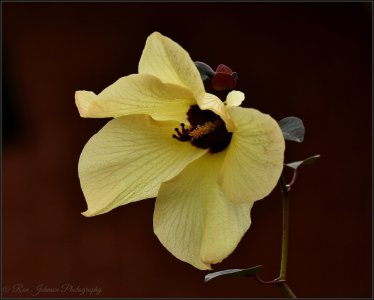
224 78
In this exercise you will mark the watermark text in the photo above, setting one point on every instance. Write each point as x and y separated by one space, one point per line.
42 288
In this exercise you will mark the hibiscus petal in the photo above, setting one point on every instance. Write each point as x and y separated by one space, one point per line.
254 159
165 59
234 98
194 220
136 94
128 159
213 103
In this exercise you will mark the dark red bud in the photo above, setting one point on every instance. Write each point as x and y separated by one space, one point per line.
224 69
224 79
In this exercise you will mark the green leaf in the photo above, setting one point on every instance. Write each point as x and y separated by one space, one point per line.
234 273
297 164
292 128
205 70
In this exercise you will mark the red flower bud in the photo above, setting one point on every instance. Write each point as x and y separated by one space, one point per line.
224 78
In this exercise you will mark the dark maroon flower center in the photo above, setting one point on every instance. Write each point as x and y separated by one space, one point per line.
207 130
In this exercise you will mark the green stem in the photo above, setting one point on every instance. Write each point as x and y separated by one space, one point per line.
283 267
284 286
281 280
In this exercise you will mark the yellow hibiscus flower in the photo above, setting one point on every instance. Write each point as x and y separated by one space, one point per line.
205 160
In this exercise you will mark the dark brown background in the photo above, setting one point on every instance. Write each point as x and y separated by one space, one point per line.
311 60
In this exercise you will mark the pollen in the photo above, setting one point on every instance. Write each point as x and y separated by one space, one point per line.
202 130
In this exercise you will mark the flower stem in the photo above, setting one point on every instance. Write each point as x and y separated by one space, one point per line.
283 267
284 286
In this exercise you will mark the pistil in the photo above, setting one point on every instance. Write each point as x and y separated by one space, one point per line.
207 130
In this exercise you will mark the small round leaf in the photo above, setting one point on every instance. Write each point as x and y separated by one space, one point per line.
292 128
205 70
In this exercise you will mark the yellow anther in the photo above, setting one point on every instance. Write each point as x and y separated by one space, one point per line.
202 130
